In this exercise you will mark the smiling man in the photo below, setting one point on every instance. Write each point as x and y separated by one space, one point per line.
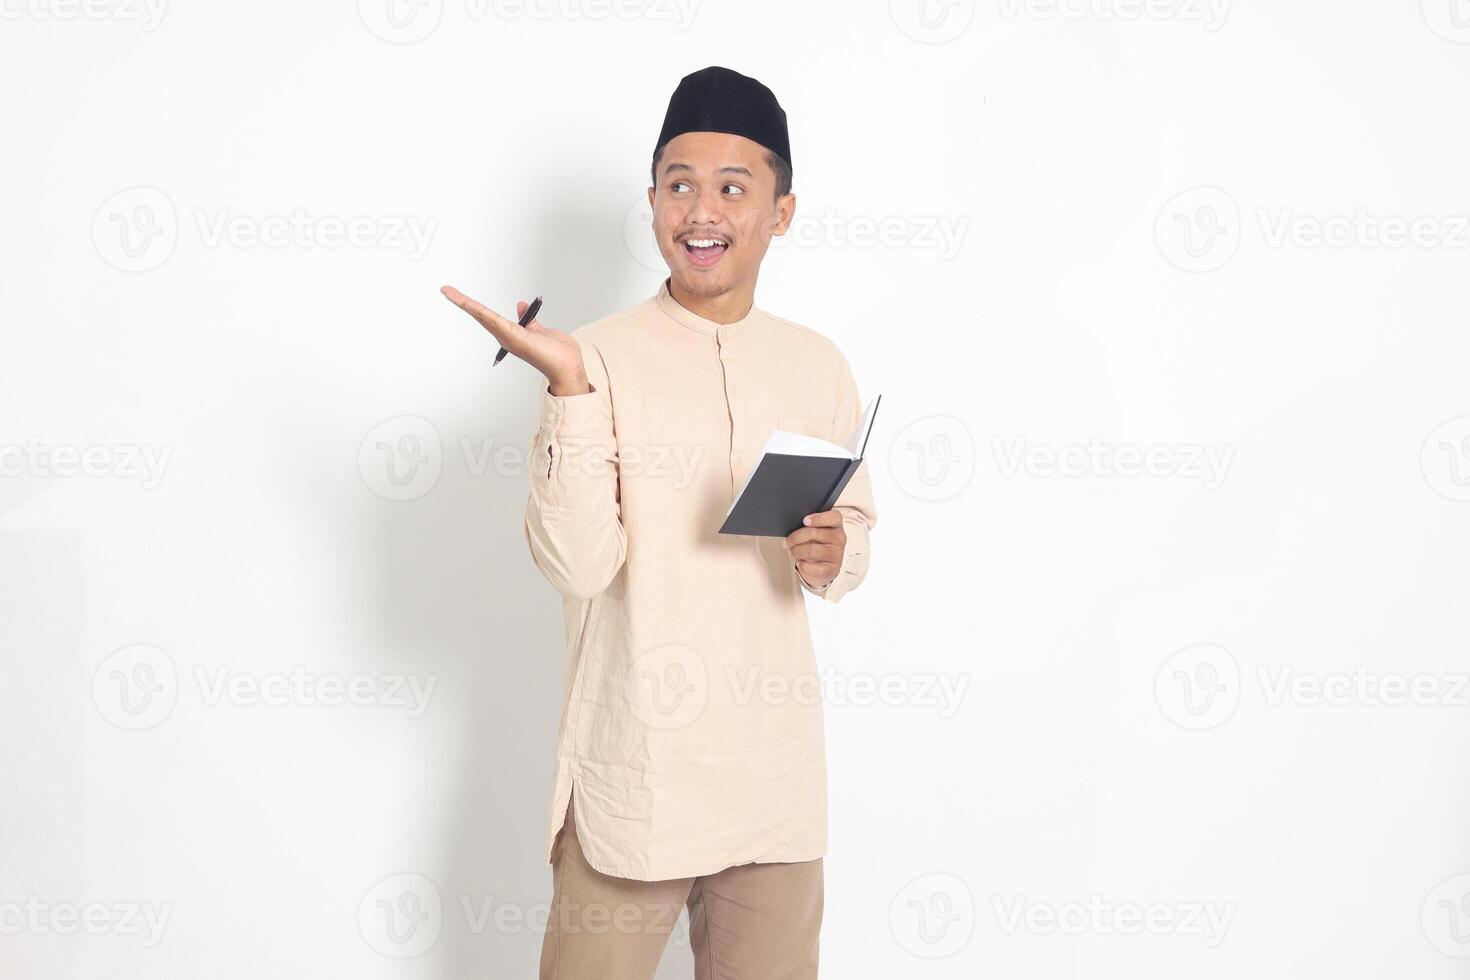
690 763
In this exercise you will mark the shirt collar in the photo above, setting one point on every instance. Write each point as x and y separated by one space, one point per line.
694 321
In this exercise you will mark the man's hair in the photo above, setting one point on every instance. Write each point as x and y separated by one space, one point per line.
773 159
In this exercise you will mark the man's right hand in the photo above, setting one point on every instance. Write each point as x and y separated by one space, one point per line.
552 352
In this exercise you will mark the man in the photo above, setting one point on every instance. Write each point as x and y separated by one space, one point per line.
690 764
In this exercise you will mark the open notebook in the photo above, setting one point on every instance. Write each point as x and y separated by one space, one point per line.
796 475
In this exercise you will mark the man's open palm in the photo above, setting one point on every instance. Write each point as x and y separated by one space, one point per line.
552 352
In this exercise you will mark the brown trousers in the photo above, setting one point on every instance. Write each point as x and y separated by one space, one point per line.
749 922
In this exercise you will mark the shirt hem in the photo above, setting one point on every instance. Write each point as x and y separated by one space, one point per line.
699 871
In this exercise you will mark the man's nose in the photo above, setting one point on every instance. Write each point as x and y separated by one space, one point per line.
707 208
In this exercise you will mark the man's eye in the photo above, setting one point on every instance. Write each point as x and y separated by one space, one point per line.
678 186
734 188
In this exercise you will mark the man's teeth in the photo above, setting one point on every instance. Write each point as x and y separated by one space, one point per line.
703 242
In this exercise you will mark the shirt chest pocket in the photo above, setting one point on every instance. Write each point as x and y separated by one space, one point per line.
805 426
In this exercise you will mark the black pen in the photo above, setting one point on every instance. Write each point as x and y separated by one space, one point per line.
526 318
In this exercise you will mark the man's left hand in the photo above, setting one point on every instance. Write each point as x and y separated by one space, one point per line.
818 547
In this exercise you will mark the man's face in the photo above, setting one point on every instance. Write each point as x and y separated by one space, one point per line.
716 188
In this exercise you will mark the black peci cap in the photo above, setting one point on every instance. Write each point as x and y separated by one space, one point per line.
718 100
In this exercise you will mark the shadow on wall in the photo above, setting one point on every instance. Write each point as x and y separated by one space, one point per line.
458 582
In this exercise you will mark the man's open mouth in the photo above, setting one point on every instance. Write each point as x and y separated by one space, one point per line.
705 252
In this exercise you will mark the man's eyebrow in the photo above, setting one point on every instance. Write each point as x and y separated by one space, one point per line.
686 168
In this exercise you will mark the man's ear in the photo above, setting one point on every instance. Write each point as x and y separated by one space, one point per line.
785 211
650 197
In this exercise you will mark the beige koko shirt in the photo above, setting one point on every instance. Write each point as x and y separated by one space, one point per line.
691 726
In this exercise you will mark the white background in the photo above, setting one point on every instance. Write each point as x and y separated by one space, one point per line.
1232 232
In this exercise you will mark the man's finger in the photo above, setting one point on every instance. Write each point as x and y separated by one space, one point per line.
818 535
833 534
826 518
817 571
535 325
830 536
503 329
817 551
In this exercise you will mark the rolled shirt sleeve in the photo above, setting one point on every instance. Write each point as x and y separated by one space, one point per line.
572 520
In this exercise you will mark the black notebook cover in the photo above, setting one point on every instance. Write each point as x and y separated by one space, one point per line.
786 487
